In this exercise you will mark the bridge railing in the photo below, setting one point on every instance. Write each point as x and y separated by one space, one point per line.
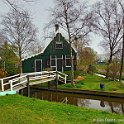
48 74
41 75
62 76
5 81
18 81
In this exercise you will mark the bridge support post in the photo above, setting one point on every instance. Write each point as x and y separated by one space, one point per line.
28 86
48 85
11 87
2 86
56 80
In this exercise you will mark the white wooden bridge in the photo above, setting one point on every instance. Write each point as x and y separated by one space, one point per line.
17 82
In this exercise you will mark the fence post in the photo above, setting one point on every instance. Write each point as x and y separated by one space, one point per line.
28 86
56 80
2 86
48 85
11 87
65 79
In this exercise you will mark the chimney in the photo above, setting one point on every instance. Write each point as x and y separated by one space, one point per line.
56 28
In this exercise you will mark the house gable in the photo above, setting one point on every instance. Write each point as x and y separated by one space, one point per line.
52 50
53 55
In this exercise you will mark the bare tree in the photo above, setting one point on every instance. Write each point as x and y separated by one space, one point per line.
122 54
13 3
79 45
74 19
109 25
35 47
21 32
3 39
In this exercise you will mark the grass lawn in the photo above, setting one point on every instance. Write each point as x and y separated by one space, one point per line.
17 109
92 82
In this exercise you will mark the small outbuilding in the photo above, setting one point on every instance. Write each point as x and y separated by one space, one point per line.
55 56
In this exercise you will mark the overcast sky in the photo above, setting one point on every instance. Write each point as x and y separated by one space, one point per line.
40 16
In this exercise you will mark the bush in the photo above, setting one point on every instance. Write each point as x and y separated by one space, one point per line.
114 69
82 69
91 69
76 74
48 69
11 69
2 73
69 74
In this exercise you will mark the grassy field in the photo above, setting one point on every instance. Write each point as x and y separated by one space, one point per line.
17 109
92 82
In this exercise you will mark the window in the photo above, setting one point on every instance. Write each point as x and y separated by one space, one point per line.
59 45
52 61
67 61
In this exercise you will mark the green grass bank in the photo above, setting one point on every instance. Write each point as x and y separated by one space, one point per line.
92 82
17 109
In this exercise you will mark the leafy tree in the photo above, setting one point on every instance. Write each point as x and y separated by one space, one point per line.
87 56
9 60
86 59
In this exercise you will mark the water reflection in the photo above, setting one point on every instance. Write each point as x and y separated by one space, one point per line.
102 104
113 105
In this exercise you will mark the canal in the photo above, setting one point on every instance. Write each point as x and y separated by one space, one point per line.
114 105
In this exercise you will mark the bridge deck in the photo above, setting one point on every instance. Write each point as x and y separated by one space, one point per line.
22 86
18 82
17 88
42 81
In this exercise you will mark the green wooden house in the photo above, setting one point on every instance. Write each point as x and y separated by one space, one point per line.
55 56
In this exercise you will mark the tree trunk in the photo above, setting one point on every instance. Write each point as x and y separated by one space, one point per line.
110 60
122 57
71 58
20 61
122 108
72 66
70 42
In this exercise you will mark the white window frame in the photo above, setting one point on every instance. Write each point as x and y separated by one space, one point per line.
66 62
35 63
62 62
55 62
58 42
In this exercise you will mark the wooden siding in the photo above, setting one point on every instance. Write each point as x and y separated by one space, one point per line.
29 64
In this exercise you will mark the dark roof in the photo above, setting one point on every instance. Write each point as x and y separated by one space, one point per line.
47 46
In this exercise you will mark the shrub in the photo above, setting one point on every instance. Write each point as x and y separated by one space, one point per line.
76 74
11 69
48 69
114 68
91 69
2 73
